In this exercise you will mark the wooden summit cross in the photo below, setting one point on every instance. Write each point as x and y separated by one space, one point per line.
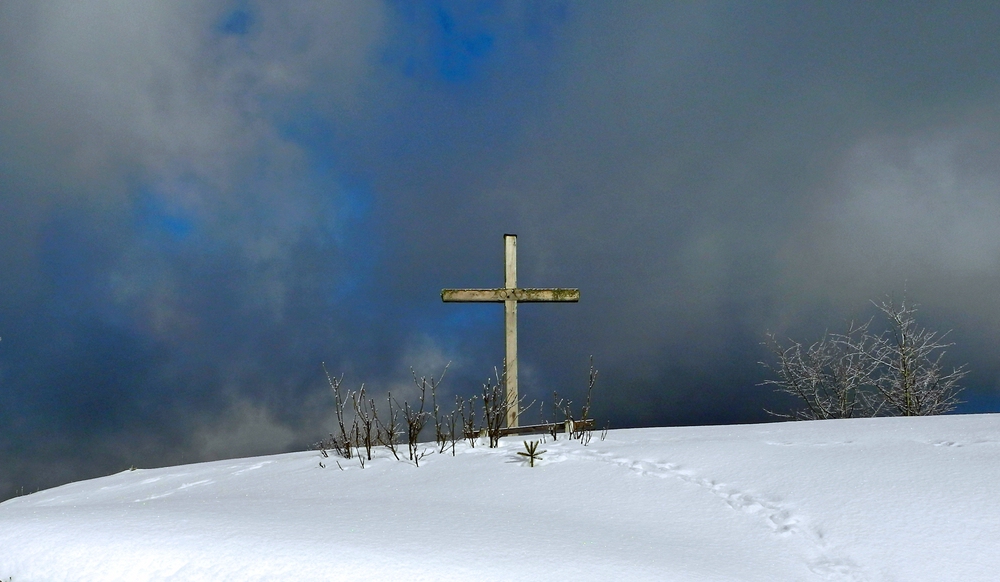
510 296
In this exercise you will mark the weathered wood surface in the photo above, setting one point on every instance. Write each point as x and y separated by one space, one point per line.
565 427
510 327
501 295
510 295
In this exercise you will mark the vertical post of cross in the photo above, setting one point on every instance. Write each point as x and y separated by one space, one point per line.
510 323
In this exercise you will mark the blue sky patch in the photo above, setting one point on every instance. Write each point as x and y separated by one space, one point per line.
237 22
447 41
154 217
458 52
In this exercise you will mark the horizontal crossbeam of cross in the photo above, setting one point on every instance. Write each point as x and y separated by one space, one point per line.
519 295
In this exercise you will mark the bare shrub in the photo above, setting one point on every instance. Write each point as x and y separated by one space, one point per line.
832 377
365 420
582 431
453 437
415 417
390 429
444 424
896 373
494 409
469 429
911 380
362 428
343 441
579 428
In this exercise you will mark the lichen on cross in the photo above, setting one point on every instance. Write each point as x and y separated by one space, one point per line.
510 295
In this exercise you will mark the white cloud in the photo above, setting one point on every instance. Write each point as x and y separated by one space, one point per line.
104 87
917 199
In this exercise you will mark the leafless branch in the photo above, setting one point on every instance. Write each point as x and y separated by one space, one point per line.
898 372
911 379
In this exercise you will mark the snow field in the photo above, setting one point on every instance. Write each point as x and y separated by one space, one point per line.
888 499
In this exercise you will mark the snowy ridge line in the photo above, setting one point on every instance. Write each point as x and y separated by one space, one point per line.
782 520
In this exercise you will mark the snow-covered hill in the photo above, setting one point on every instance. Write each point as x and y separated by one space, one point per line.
889 499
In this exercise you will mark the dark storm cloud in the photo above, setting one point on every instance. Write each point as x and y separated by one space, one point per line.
203 201
706 173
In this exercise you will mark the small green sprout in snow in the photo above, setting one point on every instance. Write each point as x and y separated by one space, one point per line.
532 452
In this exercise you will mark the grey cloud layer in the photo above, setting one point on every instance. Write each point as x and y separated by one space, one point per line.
703 173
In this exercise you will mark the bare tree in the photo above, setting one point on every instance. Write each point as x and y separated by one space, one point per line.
911 380
832 377
896 373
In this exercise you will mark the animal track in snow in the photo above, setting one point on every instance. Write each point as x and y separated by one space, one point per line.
956 444
947 444
779 517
